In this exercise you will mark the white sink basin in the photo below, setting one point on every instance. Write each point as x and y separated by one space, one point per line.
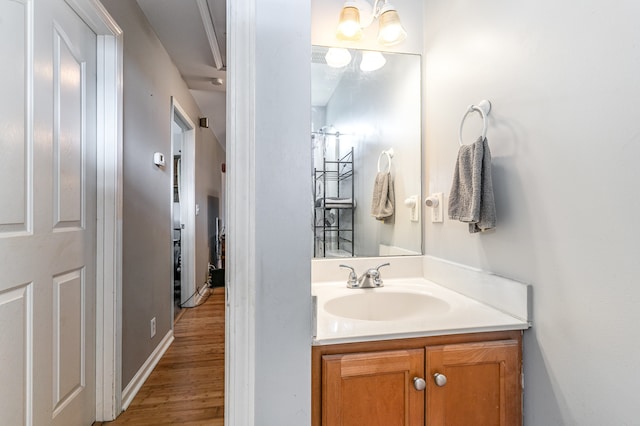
403 308
384 306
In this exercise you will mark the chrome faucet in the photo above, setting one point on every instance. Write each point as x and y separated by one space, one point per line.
370 279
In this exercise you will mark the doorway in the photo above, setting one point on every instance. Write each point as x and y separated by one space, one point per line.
176 231
183 210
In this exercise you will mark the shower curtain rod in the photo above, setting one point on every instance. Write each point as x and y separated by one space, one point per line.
332 134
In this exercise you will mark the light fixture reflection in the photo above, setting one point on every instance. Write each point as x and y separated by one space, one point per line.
337 57
372 61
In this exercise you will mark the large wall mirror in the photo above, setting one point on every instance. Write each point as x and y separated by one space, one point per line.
366 142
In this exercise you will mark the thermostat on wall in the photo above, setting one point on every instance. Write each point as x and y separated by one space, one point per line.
158 159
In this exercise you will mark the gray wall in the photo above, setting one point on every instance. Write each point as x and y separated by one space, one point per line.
565 137
282 214
150 79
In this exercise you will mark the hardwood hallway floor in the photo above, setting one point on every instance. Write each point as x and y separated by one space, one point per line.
187 385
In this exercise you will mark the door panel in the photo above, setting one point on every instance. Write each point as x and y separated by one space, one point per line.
68 338
47 224
16 286
482 387
69 81
373 389
15 345
15 104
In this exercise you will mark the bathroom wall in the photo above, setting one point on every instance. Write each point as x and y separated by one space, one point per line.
565 138
150 79
281 245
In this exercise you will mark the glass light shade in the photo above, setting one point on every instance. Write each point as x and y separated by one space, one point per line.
337 57
390 30
349 25
372 61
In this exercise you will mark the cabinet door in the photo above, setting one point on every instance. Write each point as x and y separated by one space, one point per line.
482 384
373 389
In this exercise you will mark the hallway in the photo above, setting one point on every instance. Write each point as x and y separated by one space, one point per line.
187 385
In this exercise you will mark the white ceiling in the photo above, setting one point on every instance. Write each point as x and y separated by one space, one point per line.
180 27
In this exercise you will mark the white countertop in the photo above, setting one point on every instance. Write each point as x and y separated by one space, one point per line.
459 314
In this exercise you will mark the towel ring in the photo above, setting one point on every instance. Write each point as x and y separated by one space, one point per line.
484 107
389 154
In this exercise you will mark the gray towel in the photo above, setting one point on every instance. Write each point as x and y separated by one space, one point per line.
382 203
471 199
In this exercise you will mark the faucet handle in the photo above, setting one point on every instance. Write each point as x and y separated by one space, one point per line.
376 277
353 277
380 266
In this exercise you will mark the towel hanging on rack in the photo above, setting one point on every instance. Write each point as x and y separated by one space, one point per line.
471 198
384 198
483 107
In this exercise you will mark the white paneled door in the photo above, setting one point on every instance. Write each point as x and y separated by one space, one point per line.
47 214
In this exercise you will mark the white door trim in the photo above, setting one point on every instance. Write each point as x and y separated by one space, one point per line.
187 204
109 207
240 265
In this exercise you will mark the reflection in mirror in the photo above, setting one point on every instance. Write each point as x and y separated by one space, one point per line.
366 141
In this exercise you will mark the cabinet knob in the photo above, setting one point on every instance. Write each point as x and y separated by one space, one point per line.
419 383
440 379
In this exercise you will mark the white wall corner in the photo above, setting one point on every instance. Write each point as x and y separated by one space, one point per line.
240 345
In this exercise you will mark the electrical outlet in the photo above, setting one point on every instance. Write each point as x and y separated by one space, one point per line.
153 326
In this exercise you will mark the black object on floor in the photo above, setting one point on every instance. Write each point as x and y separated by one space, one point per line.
217 278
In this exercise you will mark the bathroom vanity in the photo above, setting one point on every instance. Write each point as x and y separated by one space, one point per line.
414 352
466 379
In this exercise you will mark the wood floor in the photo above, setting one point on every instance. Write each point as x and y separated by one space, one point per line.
187 385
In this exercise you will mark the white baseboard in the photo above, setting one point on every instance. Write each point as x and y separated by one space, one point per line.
143 373
202 293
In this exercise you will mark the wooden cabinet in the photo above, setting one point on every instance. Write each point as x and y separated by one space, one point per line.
483 384
372 389
372 383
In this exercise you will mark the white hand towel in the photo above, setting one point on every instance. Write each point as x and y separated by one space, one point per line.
382 203
471 199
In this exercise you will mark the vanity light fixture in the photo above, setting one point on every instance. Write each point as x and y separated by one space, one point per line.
350 26
390 30
337 57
